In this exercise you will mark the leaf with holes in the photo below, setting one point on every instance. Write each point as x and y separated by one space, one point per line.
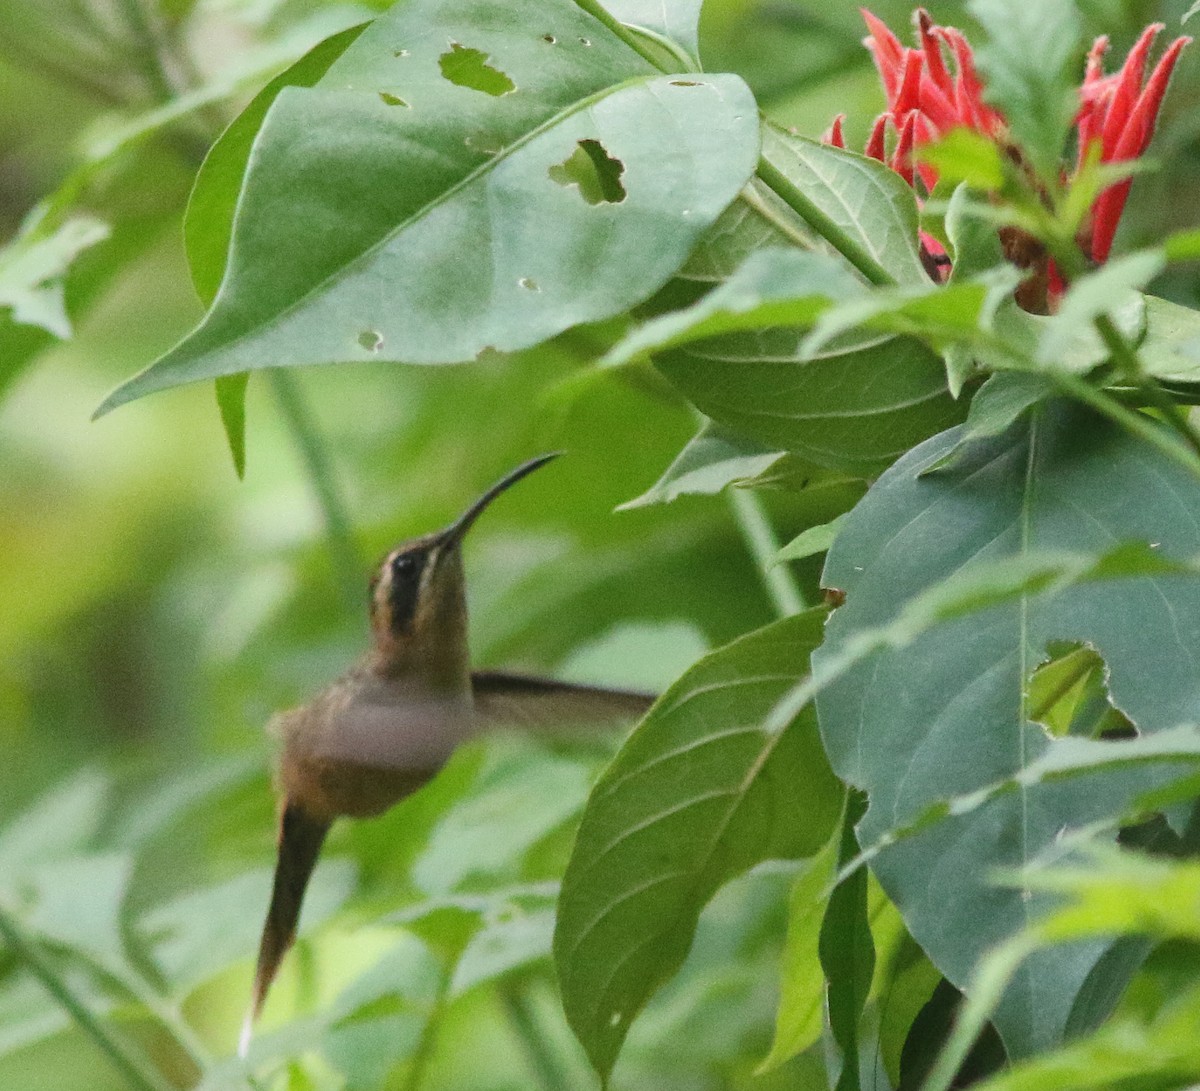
464 178
699 793
945 714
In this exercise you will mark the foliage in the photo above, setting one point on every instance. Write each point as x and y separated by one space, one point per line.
922 816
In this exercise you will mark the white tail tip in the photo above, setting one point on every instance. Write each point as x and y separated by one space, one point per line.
246 1035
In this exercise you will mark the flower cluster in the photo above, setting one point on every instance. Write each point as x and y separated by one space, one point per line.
934 88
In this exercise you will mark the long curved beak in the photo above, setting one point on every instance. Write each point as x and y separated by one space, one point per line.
454 533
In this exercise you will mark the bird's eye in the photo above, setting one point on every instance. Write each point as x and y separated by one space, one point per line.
406 571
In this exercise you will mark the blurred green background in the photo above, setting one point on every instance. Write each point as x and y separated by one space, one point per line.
156 610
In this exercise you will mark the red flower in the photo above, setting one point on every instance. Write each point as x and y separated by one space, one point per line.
1119 112
934 88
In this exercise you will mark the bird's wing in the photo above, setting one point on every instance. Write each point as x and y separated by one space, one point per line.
546 706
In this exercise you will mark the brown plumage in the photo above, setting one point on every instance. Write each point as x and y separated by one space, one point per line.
392 721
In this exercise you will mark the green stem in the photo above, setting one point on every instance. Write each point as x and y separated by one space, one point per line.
149 57
635 41
136 1068
424 1050
760 537
1129 419
299 419
816 218
541 1057
1126 358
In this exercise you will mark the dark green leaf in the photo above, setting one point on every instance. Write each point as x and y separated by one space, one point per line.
947 712
696 796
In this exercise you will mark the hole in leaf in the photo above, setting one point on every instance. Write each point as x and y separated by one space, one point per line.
371 340
1068 694
594 171
684 83
549 39
392 100
466 67
529 284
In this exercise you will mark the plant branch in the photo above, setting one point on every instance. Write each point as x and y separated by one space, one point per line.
542 1059
1126 358
760 537
424 1050
816 218
136 1068
299 419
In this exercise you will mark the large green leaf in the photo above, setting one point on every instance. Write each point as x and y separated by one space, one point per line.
699 793
855 406
945 714
400 208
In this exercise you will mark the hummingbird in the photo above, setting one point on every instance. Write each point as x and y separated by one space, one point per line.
389 723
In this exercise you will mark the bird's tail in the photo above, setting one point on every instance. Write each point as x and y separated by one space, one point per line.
300 839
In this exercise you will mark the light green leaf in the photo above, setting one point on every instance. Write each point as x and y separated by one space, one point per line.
34 265
774 287
208 222
813 540
1106 291
1028 66
863 210
944 715
1170 350
799 1019
677 21
713 459
408 157
693 799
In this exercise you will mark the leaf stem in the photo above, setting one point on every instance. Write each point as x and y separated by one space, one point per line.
299 419
760 537
424 1050
1126 358
542 1059
819 221
635 41
136 1068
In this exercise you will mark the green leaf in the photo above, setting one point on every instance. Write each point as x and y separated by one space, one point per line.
396 210
773 287
676 20
799 1019
1170 350
854 407
864 210
208 221
1003 399
964 155
231 400
34 265
945 714
847 952
1100 293
814 540
1028 65
713 459
693 799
